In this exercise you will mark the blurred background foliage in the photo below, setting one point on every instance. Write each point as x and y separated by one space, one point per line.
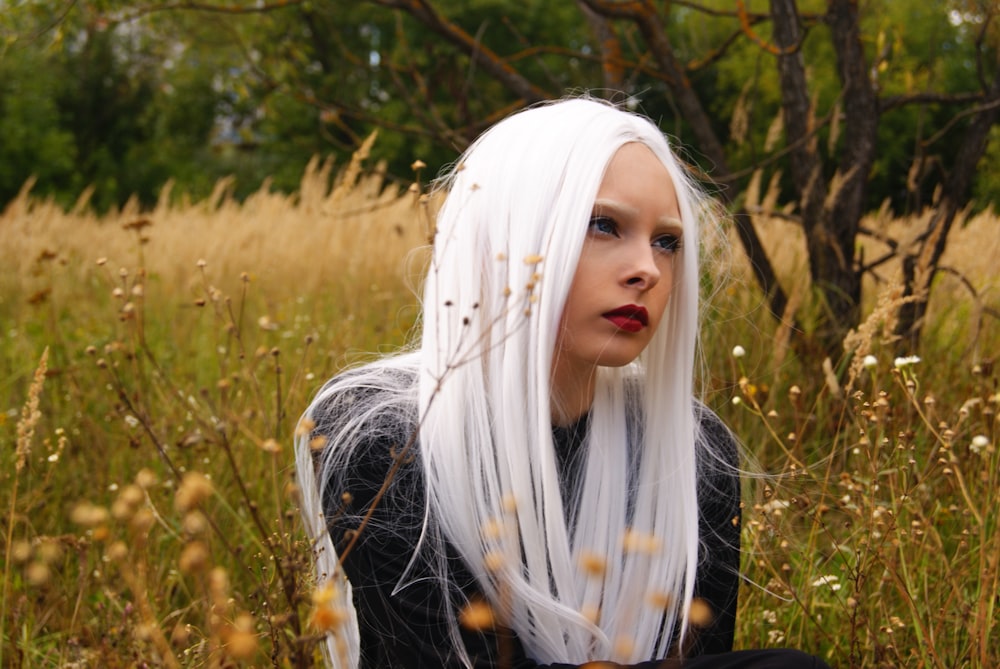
838 108
122 96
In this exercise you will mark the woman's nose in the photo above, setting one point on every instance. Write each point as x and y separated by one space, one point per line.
642 271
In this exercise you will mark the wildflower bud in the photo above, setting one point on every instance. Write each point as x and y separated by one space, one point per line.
132 495
591 613
870 361
477 616
195 488
700 613
659 599
493 561
121 510
117 551
241 643
20 551
145 478
640 542
180 635
326 616
49 551
624 645
193 558
37 573
143 521
218 584
195 523
417 165
739 351
304 427
89 515
509 503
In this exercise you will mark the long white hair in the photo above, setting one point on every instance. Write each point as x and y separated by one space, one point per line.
605 571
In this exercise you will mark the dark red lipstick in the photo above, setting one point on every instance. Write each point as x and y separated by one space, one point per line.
630 318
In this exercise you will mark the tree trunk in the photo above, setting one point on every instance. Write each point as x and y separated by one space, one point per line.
919 269
831 211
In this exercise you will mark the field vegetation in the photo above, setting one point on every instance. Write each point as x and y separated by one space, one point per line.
154 364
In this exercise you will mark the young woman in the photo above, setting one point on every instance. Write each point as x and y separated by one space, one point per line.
534 482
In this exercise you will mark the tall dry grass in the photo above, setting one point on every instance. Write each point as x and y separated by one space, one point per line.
153 518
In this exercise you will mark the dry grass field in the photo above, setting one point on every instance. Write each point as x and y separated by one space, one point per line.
154 365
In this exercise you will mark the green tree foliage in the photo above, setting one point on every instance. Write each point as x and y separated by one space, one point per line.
33 140
846 105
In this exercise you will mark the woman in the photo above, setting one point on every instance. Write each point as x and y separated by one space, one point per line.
534 484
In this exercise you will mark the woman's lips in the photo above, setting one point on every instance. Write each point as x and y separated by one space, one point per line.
631 317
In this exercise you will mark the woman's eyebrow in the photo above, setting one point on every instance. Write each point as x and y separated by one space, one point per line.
674 223
615 206
623 209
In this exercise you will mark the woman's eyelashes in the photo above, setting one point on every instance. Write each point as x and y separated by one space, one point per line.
607 226
603 225
669 243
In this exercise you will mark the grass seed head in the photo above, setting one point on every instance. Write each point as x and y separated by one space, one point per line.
89 515
195 488
37 574
194 558
241 642
145 478
477 616
700 613
593 565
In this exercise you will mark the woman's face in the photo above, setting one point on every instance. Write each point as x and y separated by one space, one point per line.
625 273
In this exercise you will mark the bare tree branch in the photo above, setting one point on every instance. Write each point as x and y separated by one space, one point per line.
611 49
480 54
256 8
891 102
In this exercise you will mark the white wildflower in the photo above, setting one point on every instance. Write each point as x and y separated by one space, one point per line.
739 351
979 442
828 580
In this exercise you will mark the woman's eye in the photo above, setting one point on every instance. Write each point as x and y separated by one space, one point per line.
603 225
668 243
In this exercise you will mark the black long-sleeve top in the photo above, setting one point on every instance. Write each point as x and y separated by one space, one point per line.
408 627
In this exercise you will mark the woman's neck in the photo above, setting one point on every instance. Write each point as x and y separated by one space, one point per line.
572 392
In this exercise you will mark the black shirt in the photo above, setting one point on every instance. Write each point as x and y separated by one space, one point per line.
408 627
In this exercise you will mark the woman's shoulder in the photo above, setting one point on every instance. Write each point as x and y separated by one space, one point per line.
363 424
717 444
368 403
